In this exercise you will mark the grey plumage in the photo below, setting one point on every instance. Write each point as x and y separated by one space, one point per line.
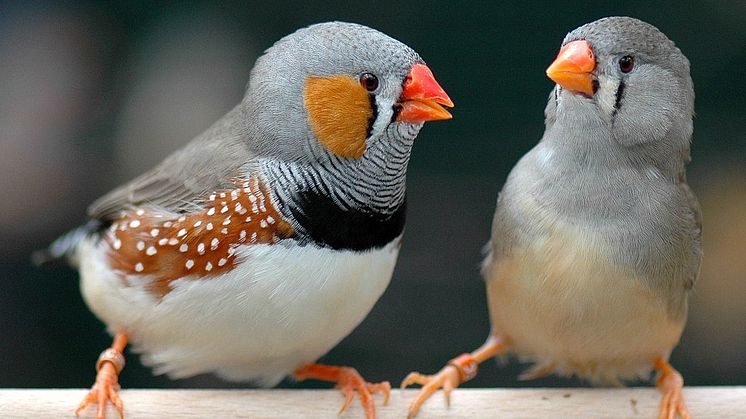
619 172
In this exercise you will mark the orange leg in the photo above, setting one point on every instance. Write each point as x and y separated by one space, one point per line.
458 370
110 363
671 384
349 381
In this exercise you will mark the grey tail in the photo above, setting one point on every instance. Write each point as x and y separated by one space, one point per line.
63 249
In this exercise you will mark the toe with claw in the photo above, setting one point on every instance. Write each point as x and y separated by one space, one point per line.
349 381
456 372
671 384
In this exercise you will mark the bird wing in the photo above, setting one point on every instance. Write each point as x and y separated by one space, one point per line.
206 164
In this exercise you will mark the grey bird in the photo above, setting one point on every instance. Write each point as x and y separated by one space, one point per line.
596 239
267 239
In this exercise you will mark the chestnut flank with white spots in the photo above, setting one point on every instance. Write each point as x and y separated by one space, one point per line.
167 247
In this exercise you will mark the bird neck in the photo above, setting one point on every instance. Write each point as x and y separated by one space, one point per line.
344 203
582 135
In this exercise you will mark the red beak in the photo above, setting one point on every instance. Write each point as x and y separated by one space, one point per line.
422 97
573 67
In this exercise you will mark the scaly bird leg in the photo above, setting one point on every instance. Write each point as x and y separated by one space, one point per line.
348 381
458 370
110 363
671 384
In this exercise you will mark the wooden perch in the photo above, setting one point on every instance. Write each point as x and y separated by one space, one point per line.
703 402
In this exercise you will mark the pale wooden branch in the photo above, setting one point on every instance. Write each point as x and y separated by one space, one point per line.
703 402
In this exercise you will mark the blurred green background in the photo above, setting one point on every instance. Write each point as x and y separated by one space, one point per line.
93 93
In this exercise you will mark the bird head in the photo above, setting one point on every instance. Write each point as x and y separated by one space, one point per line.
338 89
627 75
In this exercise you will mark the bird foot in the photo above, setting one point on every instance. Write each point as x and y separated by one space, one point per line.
671 384
349 381
459 370
110 363
106 387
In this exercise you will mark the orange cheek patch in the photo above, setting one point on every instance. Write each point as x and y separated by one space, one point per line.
199 244
339 112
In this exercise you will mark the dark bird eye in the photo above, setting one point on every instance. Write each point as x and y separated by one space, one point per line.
369 81
626 63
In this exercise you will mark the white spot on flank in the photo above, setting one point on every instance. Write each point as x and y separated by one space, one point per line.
262 207
173 241
162 242
270 219
183 248
222 261
211 211
154 232
239 207
222 194
181 232
227 221
212 197
242 236
208 266
254 208
189 264
198 223
151 251
140 245
224 209
117 244
224 230
135 223
181 219
252 198
168 224
201 248
214 244
231 251
209 226
234 195
248 219
253 237
140 212
263 224
139 267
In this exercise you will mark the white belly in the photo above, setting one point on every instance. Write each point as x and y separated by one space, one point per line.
283 307
563 304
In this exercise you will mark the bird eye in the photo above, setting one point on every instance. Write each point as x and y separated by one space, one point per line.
369 81
626 63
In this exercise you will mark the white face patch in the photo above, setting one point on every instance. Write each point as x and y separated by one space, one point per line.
606 96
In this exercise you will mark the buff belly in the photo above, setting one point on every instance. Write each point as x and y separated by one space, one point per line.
562 304
284 306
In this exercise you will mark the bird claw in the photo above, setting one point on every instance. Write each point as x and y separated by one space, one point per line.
671 384
349 381
447 378
104 391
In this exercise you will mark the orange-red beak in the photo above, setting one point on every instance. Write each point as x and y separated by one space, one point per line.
573 67
422 97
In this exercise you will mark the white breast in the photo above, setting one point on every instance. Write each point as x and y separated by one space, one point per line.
284 306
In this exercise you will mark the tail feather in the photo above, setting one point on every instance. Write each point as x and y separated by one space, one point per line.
63 249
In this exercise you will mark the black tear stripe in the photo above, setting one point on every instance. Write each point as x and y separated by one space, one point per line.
326 224
373 115
619 95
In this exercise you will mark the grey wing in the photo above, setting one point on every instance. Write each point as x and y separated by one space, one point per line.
696 262
206 164
696 212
